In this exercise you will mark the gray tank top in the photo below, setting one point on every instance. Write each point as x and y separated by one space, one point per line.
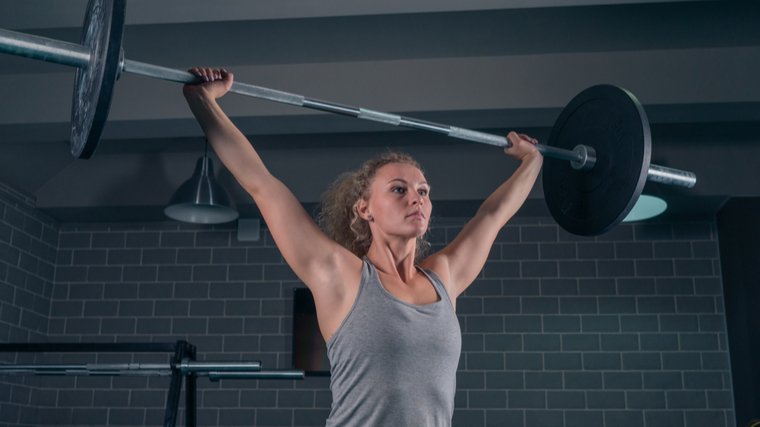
394 363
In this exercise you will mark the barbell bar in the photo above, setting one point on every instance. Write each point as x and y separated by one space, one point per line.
213 370
75 55
602 135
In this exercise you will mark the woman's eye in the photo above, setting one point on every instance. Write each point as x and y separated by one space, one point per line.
423 192
399 189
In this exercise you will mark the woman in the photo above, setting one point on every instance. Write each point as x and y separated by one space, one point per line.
387 316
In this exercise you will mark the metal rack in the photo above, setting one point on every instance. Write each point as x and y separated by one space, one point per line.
183 364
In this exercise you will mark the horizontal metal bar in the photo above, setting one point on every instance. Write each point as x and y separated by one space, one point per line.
558 153
84 372
89 347
424 126
271 375
187 366
481 137
126 366
122 369
671 176
42 367
44 49
331 107
378 116
180 76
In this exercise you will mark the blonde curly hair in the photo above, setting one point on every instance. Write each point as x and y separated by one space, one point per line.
339 217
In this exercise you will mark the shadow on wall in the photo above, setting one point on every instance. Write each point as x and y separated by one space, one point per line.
151 180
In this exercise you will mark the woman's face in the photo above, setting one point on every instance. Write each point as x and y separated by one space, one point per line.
399 202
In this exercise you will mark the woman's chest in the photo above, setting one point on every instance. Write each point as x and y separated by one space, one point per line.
419 291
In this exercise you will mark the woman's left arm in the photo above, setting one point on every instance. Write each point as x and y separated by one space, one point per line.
460 262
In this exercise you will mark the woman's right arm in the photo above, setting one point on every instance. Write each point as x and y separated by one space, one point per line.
321 263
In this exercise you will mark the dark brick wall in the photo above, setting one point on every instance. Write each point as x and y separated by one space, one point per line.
626 329
28 244
164 282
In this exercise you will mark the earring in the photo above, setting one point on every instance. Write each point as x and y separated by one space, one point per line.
369 217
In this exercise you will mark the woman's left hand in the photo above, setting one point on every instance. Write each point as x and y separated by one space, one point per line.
522 146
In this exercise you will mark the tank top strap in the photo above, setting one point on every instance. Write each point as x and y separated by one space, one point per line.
369 272
437 283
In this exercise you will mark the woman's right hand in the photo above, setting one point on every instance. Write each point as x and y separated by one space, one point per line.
216 82
522 146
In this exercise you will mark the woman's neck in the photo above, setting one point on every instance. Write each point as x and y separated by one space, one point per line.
394 259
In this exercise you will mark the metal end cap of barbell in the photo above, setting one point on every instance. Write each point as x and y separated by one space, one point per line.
587 158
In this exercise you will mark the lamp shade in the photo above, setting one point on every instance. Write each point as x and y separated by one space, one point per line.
646 207
202 199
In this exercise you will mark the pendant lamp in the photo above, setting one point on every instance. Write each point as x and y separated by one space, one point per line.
202 199
646 207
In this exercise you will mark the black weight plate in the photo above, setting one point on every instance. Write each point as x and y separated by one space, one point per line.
613 122
102 32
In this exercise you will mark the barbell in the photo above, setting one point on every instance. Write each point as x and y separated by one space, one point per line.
215 371
602 134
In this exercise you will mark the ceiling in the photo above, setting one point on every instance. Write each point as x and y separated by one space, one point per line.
483 64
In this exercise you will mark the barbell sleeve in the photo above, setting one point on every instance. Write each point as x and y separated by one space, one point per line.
671 176
44 49
76 55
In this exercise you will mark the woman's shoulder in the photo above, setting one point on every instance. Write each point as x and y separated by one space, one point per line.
439 266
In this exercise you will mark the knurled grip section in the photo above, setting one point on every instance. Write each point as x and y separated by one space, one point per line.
377 116
482 137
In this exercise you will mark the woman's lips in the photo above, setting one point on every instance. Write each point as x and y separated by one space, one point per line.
417 214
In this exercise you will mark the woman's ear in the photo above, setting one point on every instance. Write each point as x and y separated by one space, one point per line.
362 208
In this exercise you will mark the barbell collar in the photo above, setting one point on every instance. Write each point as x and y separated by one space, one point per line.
587 158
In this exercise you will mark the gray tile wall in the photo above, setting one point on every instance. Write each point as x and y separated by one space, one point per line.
625 329
28 245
